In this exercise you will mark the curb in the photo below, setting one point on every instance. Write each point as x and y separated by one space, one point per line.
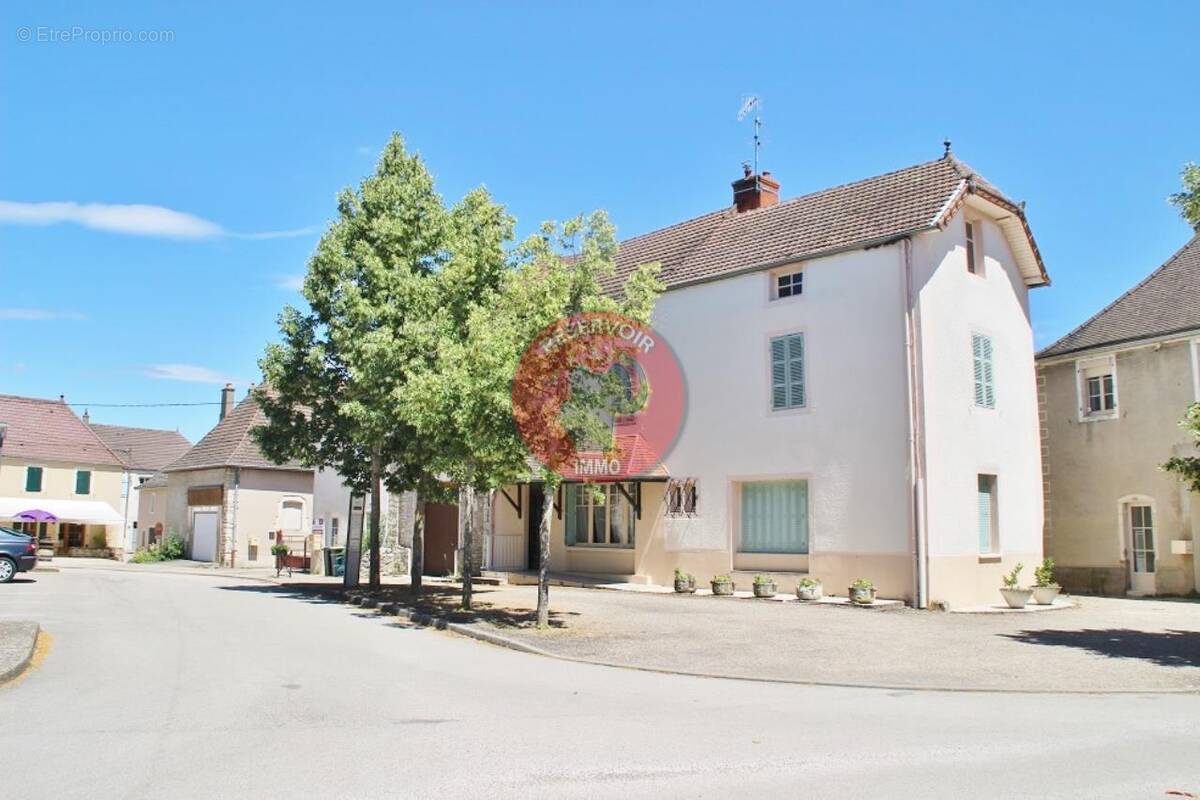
17 669
499 640
198 572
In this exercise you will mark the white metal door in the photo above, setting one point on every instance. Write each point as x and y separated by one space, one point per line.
204 536
1141 550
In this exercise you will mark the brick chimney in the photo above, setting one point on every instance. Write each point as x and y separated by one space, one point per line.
226 400
755 191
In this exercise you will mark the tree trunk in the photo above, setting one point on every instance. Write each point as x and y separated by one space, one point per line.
543 604
468 541
417 562
376 471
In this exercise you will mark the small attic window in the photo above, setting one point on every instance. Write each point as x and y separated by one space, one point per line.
787 284
972 247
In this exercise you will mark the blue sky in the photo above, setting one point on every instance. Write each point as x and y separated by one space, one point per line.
250 119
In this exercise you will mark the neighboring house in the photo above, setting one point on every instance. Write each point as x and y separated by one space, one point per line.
227 500
1113 392
898 440
57 477
145 451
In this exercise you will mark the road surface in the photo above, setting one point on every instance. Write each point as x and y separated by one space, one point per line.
192 686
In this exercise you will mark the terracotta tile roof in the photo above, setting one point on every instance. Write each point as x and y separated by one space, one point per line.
860 214
1166 302
145 449
49 430
230 444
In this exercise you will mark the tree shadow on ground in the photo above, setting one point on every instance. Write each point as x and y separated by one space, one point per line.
1170 648
438 601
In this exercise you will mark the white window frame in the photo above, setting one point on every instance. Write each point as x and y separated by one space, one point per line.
768 369
1196 369
973 245
794 271
1096 367
994 545
303 513
610 490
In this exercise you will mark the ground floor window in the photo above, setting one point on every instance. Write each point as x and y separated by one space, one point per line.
774 517
602 515
1142 528
989 528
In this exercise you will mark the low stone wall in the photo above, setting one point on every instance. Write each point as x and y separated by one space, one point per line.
93 552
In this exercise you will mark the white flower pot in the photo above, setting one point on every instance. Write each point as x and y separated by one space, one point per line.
1016 598
1044 595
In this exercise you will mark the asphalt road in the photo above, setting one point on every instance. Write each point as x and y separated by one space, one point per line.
192 686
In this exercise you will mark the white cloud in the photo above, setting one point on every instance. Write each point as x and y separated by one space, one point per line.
29 314
292 283
187 372
134 220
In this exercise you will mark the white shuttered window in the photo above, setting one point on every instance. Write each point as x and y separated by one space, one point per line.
787 372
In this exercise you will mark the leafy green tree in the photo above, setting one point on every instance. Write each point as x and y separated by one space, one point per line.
331 383
1188 200
1188 467
466 393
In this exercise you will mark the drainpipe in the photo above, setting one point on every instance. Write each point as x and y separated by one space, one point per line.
237 482
916 442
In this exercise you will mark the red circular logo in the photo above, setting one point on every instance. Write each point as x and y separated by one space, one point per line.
599 397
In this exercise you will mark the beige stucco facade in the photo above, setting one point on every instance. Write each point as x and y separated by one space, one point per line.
1100 465
250 504
58 483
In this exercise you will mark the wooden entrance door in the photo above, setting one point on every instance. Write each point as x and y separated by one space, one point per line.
441 538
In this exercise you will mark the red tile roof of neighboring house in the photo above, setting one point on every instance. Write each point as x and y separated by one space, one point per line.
230 444
868 212
48 430
1166 302
145 449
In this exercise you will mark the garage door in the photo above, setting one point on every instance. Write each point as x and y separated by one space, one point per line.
204 536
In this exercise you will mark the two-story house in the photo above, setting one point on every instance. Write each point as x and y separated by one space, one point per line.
1113 392
861 397
58 479
228 501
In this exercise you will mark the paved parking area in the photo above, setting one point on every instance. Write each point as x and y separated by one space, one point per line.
1104 644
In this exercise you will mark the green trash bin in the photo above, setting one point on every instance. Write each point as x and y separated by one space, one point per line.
335 561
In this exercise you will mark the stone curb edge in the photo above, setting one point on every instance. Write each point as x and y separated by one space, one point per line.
20 667
444 624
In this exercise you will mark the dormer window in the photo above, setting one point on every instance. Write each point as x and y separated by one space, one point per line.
787 284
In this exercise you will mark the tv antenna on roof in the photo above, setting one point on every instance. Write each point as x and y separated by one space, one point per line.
753 104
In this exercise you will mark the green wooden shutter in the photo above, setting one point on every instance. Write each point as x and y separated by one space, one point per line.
774 517
83 481
33 479
985 389
787 372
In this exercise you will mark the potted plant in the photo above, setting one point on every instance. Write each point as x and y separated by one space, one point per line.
1044 587
809 588
861 592
764 586
722 585
279 551
685 582
1013 594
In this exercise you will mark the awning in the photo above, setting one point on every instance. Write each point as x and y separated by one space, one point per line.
91 512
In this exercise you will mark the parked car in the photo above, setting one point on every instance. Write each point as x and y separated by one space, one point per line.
18 553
